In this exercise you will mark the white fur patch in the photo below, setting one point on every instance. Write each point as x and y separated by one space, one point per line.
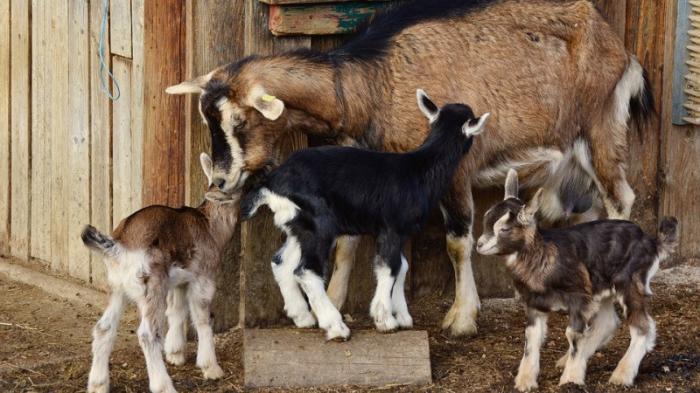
488 245
329 318
640 344
284 209
496 175
529 369
631 85
398 297
294 303
650 274
381 307
230 117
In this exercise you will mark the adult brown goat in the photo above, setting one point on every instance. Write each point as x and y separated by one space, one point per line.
555 76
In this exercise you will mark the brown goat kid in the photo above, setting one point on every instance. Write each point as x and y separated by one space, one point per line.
581 270
164 260
554 74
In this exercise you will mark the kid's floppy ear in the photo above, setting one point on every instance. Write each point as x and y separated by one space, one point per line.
428 107
268 105
475 126
194 86
205 160
527 213
511 185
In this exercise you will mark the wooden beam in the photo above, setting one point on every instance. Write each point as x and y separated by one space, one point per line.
120 27
5 128
163 116
302 358
321 19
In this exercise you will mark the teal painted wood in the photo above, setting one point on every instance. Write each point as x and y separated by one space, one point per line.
322 19
680 67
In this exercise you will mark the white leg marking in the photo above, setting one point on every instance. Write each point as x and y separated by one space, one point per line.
381 307
575 367
461 319
529 369
650 274
104 333
600 333
158 379
176 338
398 298
640 344
329 318
199 297
294 303
346 246
284 209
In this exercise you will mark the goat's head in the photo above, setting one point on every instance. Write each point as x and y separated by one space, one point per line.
451 116
510 225
242 105
213 193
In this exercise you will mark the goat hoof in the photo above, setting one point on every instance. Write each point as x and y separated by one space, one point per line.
523 385
175 358
387 325
213 372
98 387
404 321
338 332
618 378
304 321
573 380
459 324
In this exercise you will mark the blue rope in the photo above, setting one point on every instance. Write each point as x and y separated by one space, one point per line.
101 53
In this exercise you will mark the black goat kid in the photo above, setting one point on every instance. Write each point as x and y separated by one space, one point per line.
582 270
321 193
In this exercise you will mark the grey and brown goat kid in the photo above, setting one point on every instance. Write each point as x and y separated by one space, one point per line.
581 270
321 193
554 75
164 260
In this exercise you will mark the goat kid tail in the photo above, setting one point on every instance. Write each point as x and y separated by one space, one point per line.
98 241
668 235
641 100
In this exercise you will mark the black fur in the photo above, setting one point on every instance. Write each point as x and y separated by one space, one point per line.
348 191
94 239
642 107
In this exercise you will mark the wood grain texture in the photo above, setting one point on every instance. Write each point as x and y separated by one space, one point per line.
261 302
5 128
214 40
309 1
125 188
301 358
20 120
321 19
137 98
679 178
78 152
615 12
120 27
100 145
163 117
644 37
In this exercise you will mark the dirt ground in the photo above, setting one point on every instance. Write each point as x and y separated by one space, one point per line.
45 347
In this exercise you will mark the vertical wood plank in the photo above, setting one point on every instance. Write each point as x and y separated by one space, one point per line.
5 128
679 178
41 139
260 239
163 119
214 40
100 143
646 25
20 88
57 127
120 27
78 154
615 12
123 188
137 101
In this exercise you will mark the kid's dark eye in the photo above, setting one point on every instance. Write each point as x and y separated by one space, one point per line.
505 230
239 127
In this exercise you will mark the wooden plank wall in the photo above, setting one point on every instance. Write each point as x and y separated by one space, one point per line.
56 129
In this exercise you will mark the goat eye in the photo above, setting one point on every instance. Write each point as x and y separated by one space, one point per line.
505 230
239 127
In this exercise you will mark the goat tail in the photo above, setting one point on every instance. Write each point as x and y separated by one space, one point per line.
635 82
668 235
250 203
98 241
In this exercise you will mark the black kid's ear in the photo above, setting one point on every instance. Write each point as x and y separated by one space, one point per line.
475 126
427 106
511 185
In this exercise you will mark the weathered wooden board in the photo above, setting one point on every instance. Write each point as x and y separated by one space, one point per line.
680 153
301 358
120 27
163 118
308 1
213 40
137 99
5 128
321 19
261 300
100 144
20 109
78 153
125 188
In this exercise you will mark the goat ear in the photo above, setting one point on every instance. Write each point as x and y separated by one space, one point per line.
470 128
270 106
194 86
511 185
526 216
427 106
207 165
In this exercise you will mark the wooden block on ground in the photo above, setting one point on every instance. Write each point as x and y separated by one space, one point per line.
302 358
